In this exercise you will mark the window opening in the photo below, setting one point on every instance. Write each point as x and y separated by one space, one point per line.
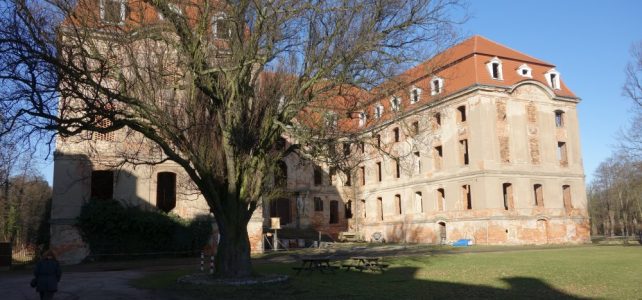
102 185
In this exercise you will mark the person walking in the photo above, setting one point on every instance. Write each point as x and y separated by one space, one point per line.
47 274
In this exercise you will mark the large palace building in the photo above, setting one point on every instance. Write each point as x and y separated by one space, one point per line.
481 142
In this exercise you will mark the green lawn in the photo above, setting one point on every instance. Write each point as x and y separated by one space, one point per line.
613 272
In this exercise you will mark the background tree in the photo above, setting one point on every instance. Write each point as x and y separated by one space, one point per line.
211 85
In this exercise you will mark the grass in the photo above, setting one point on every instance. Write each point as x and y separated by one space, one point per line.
612 272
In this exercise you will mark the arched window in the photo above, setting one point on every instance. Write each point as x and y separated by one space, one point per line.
166 191
494 67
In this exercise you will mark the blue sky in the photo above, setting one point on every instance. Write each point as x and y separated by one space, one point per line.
588 41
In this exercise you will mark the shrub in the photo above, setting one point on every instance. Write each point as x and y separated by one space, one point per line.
113 229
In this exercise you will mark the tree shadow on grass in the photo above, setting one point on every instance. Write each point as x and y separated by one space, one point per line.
396 283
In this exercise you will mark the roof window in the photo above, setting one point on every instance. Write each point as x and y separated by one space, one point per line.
436 85
553 79
525 71
494 67
415 93
378 111
395 103
113 11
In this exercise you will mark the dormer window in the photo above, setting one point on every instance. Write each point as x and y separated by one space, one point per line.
221 28
362 119
553 79
415 93
525 71
378 111
113 11
395 103
436 85
495 68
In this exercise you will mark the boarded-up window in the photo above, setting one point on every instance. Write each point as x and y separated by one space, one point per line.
397 168
166 191
465 191
348 209
318 175
380 208
280 208
566 194
441 199
463 150
318 204
461 114
419 205
438 155
504 149
398 204
436 120
379 170
562 155
102 185
539 195
334 212
507 191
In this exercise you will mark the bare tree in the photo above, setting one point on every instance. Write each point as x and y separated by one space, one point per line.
211 85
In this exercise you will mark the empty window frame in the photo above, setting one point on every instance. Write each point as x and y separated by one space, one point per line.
419 205
318 176
441 199
466 195
495 68
379 175
417 159
507 192
378 113
559 118
395 133
363 209
113 11
461 113
348 179
378 138
102 185
414 95
538 192
334 212
415 127
553 78
346 149
398 204
463 151
318 204
438 155
221 27
281 174
380 208
166 191
562 155
362 175
362 147
281 208
395 103
566 197
436 86
348 209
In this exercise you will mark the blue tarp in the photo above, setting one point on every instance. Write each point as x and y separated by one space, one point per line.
463 243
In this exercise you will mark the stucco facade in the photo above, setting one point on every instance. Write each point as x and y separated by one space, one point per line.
492 153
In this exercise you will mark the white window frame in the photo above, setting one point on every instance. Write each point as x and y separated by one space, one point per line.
219 16
525 67
412 90
433 90
395 103
500 72
123 11
363 118
554 84
378 111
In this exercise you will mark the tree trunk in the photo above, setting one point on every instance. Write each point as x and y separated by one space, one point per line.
233 254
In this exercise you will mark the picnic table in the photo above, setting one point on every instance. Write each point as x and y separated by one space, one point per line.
311 264
365 263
